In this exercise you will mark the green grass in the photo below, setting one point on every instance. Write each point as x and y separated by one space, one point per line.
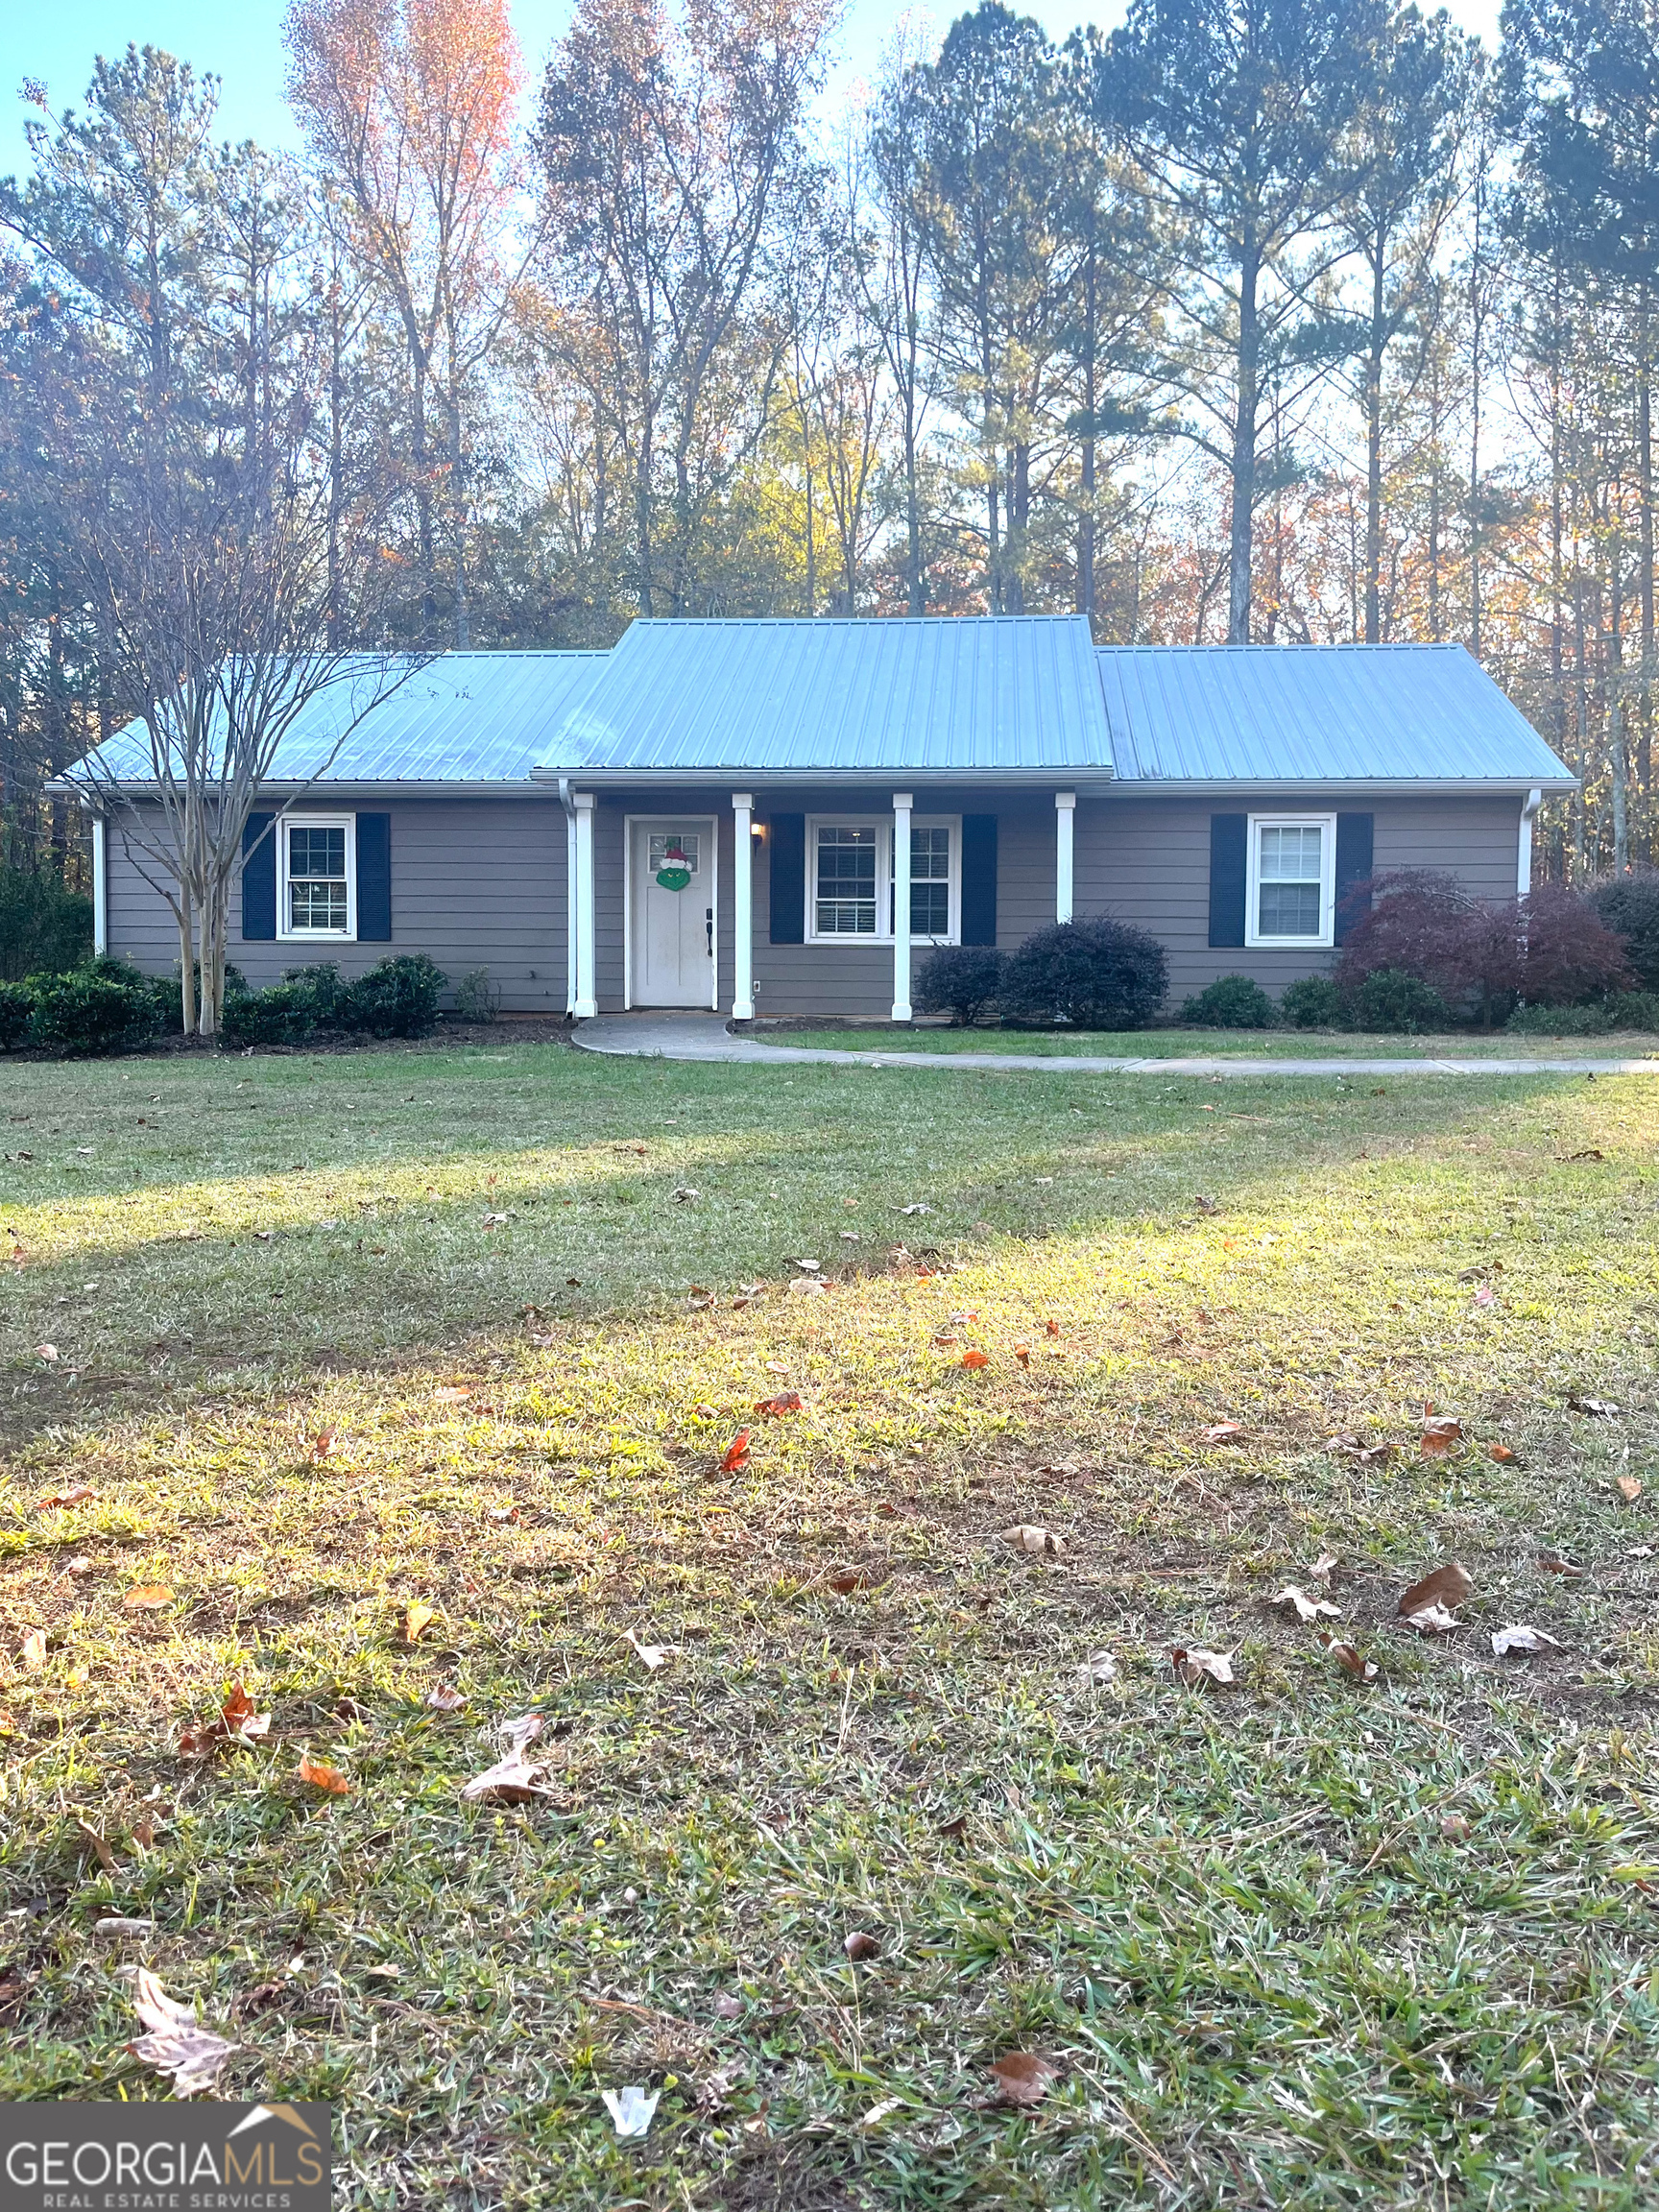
1301 1942
1211 1043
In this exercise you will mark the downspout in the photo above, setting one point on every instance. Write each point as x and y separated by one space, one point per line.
99 881
564 800
1524 855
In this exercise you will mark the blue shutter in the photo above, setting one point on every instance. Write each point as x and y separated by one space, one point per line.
979 879
1229 835
1353 866
374 879
787 838
260 878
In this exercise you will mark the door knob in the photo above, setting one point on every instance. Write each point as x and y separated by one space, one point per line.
708 927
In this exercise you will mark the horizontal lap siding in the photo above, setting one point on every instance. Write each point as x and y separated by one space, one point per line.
1147 861
475 882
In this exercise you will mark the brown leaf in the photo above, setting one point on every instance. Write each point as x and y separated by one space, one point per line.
1432 1621
321 1775
1323 1567
1052 1328
78 1493
1442 1433
786 1402
517 1779
1029 1538
1521 1638
1224 1432
975 1358
1629 1489
46 1351
1196 1666
177 2043
1599 1409
1454 1827
859 1945
726 2006
149 1599
1447 1586
33 1650
417 1617
452 1394
1294 1598
1024 2078
444 1697
736 1454
1352 1661
1501 1452
1553 1563
323 1444
1023 1352
99 1844
954 1829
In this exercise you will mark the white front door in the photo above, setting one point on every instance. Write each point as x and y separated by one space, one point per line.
671 902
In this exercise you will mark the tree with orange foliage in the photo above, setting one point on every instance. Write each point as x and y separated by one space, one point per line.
408 108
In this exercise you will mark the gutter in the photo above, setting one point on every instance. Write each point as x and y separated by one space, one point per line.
571 967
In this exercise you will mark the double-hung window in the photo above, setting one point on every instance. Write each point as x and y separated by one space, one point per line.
850 888
1291 890
317 875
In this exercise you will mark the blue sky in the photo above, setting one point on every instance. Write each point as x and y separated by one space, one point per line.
56 40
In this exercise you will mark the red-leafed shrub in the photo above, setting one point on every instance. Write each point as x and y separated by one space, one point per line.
1551 948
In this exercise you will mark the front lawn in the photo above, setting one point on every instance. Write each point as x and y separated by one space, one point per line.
1211 1044
471 1330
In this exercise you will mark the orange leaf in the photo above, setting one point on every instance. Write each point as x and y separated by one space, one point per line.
1629 1489
786 1402
975 1359
149 1599
416 1617
1023 1352
1501 1452
321 1775
1441 1432
1223 1433
1053 1327
77 1494
1024 2078
735 1453
324 1445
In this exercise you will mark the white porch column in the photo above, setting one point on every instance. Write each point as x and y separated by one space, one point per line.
100 884
587 999
902 803
742 906
1524 857
1065 817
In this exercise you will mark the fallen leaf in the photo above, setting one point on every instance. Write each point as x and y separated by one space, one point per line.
1454 1827
444 1697
1030 1538
515 1780
1352 1661
809 1266
236 1720
1485 1295
1442 1586
1099 1667
1206 1205
100 1844
78 1493
916 1209
1521 1638
1023 1352
652 1655
1195 1667
726 2006
683 1195
1432 1621
177 2043
149 1599
1023 2078
522 1730
975 1358
1322 1567
1296 1600
1629 1489
735 1453
860 1945
1590 1152
79 1565
417 1617
786 1402
1052 1328
32 1651
1223 1433
1553 1563
1599 1409
699 1298
631 2110
807 1285
1441 1432
321 1776
46 1351
954 1829
1501 1452
324 1445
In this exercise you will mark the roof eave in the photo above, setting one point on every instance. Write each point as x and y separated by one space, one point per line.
1353 787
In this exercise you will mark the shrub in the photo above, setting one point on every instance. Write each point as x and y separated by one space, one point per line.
1391 998
1568 954
399 997
44 928
1560 1021
283 1015
1629 906
1230 1002
16 1004
1098 975
1634 1009
105 1007
320 986
1311 1002
476 997
961 981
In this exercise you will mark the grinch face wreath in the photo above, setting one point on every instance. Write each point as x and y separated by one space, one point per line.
675 873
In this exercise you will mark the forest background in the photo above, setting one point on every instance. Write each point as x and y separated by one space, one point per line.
1294 322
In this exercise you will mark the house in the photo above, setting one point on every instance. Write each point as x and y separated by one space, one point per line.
728 814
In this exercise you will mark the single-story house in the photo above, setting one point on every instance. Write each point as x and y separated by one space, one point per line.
730 815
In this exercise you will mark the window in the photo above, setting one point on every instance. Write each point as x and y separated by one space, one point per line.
1292 864
672 849
317 876
850 879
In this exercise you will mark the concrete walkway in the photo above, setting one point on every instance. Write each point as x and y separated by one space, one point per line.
705 1037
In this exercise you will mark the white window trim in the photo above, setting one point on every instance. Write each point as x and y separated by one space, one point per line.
287 936
882 824
1327 822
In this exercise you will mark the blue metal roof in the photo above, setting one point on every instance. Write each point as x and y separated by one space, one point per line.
1315 714
908 695
460 718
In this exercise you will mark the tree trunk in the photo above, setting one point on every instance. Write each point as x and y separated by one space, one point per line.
1085 523
186 963
1243 461
1374 451
1644 579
